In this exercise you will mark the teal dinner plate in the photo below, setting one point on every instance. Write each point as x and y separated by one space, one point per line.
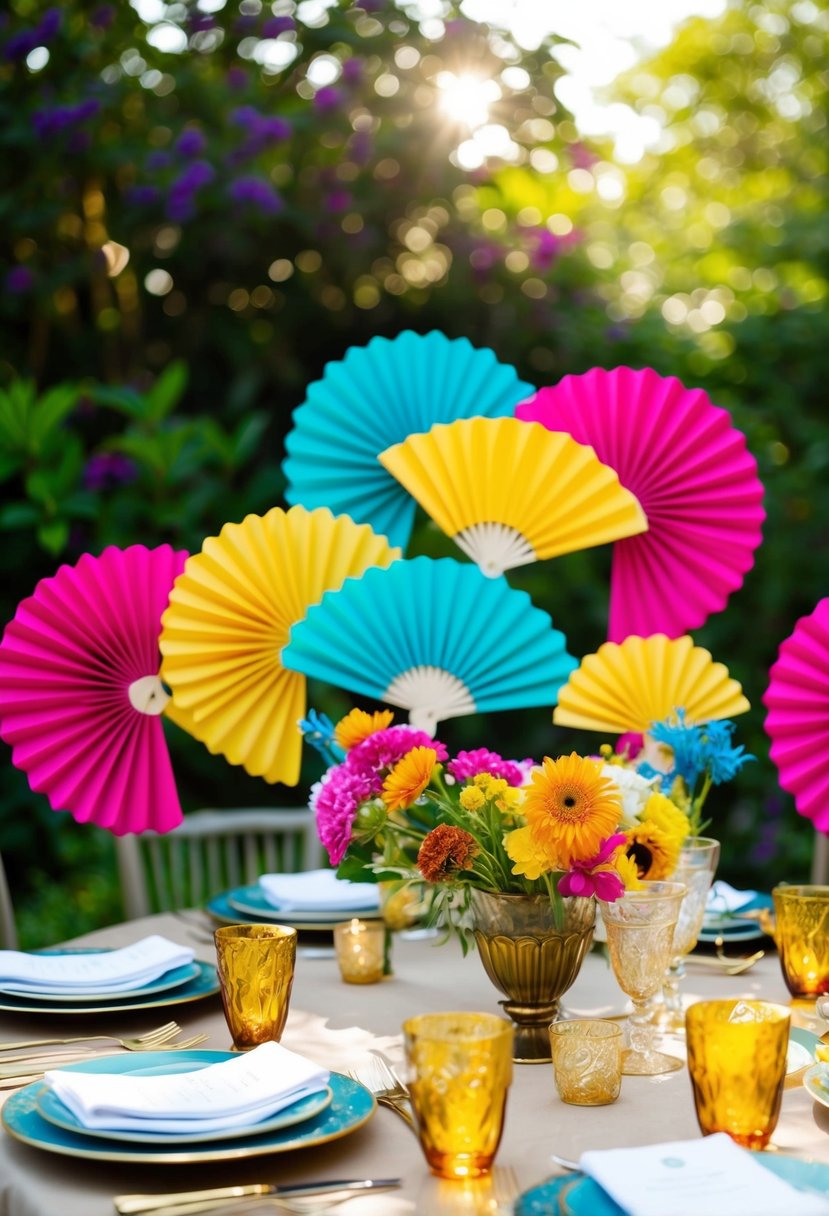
350 1107
734 928
801 1054
816 1083
156 1064
252 901
575 1195
204 983
225 913
170 979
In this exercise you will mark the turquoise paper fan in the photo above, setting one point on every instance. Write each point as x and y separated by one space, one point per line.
438 638
377 396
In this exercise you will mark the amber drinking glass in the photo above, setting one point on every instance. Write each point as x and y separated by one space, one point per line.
587 1061
802 937
640 934
459 1071
256 973
737 1061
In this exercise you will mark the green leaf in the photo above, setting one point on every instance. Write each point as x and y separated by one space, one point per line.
167 391
18 515
54 535
49 412
247 436
125 400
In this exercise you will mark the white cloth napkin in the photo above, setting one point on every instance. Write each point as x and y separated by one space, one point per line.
723 898
318 891
112 971
689 1177
233 1093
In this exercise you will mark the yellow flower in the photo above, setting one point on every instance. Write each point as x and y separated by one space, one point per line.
531 857
358 725
471 799
653 851
510 800
409 778
666 816
571 808
625 867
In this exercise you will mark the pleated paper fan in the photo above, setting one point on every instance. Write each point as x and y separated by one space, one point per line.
629 685
373 398
694 477
230 615
435 637
512 492
797 723
80 696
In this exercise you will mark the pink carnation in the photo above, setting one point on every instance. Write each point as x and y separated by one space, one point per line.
587 878
336 803
375 755
467 765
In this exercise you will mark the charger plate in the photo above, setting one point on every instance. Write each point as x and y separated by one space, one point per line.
173 978
204 983
351 1106
575 1195
157 1064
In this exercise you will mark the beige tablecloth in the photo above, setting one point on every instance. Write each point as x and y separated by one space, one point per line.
336 1023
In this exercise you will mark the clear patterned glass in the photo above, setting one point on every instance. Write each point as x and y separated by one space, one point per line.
587 1061
640 933
737 1060
698 860
459 1071
255 964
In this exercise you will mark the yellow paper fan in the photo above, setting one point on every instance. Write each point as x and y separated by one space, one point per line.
626 686
512 492
230 615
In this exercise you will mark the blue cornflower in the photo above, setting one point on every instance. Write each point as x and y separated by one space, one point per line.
318 729
722 761
686 744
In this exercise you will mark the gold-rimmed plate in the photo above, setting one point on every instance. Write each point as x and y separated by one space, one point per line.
204 983
351 1106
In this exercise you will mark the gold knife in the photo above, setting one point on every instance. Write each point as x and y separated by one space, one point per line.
129 1205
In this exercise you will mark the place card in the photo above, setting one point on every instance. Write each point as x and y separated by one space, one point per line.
687 1177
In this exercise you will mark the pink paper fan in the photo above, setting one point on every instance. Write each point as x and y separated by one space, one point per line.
80 696
797 723
694 477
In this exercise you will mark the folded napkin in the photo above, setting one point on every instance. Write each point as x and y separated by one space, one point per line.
318 891
687 1177
233 1093
723 898
111 971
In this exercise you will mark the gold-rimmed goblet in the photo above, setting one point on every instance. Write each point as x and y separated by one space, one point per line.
698 860
640 934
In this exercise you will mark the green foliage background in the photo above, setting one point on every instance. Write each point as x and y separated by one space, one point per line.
157 334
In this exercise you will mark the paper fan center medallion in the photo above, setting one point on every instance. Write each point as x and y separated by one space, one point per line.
430 693
148 695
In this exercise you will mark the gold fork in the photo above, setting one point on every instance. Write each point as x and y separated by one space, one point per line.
387 1088
31 1068
143 1042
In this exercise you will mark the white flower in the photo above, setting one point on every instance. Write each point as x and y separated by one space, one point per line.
634 788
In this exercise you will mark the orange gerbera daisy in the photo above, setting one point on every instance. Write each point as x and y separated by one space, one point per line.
409 778
358 725
571 808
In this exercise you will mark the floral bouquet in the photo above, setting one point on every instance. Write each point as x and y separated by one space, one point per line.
392 806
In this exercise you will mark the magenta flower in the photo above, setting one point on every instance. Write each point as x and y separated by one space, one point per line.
586 878
336 801
467 765
373 757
